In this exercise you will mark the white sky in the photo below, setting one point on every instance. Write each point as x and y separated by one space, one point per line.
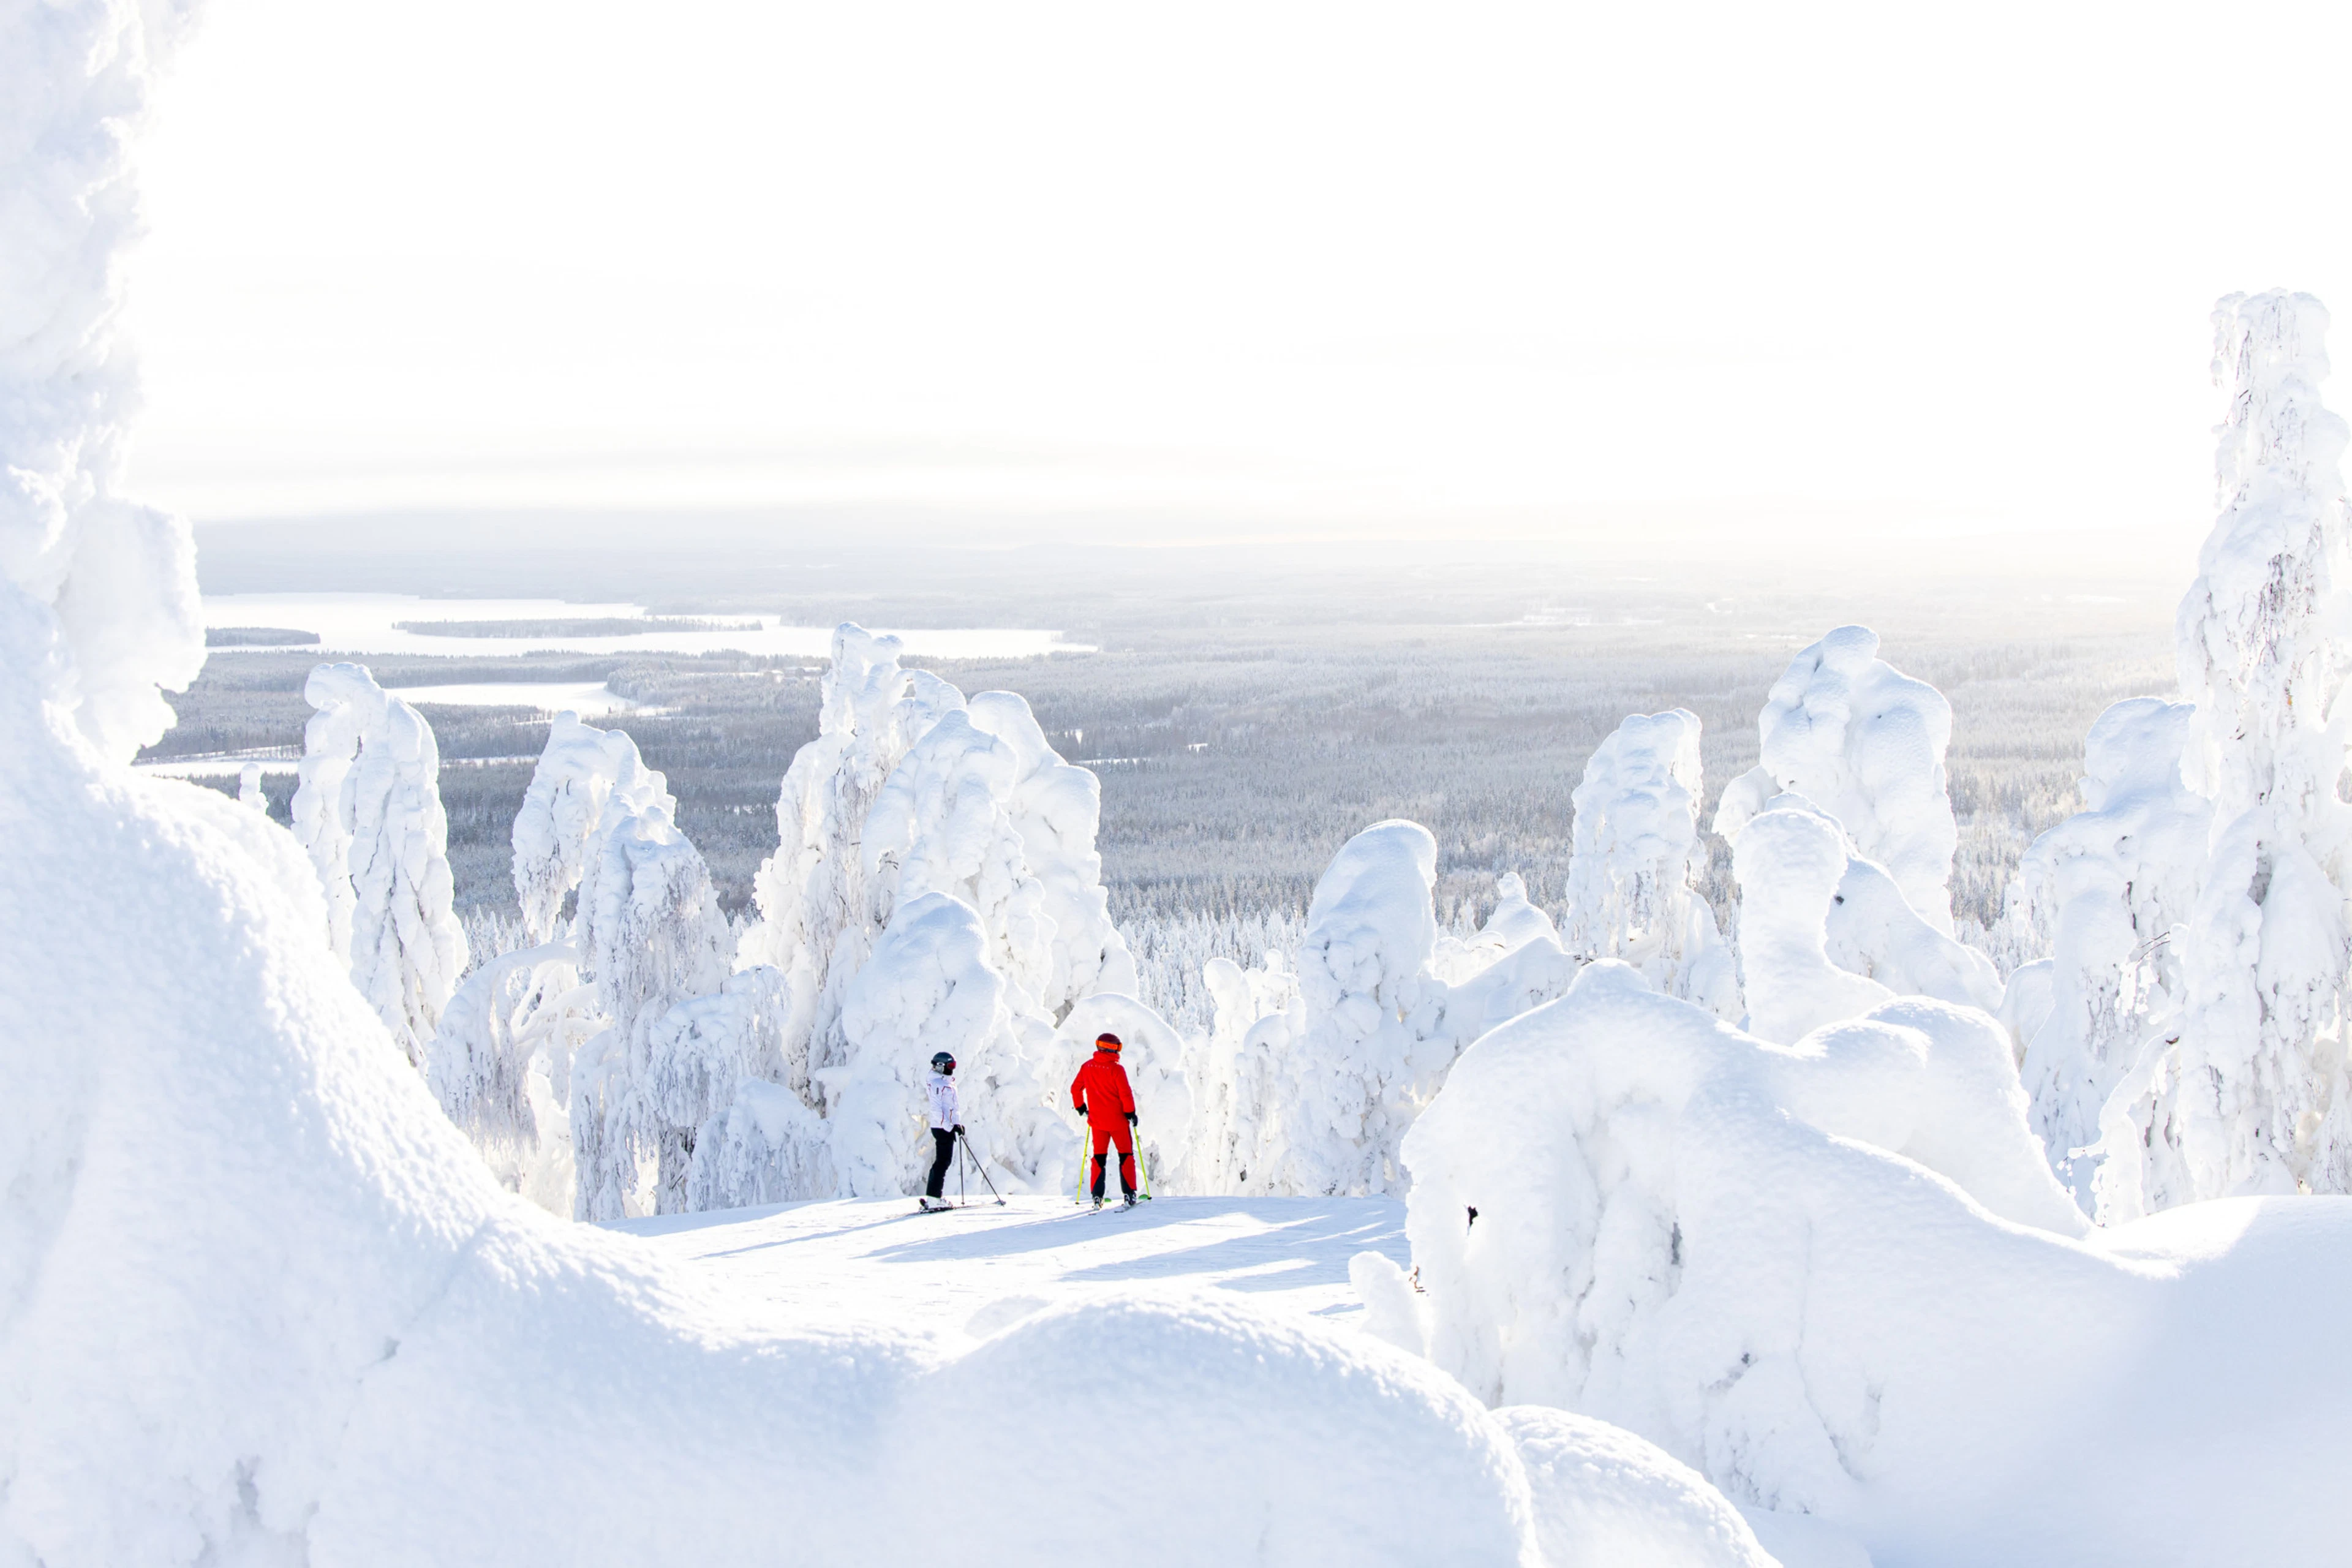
1902 267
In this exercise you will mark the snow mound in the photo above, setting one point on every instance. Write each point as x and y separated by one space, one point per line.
1245 1438
1604 1496
1865 743
1839 1280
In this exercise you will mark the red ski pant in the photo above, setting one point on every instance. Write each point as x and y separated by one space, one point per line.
1104 1138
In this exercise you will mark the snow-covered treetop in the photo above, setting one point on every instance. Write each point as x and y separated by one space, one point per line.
1634 839
118 579
1865 743
2254 651
367 807
1371 928
581 771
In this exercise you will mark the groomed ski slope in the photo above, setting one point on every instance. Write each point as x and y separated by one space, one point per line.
981 1269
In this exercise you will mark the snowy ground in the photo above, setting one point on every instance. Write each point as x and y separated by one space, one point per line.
879 1260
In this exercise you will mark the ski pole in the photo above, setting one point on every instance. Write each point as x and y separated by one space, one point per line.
981 1166
960 1158
1142 1168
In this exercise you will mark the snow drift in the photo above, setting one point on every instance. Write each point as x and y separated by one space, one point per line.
1838 1278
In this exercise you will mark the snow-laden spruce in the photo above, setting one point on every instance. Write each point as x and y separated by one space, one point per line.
368 809
1320 1095
1635 859
119 578
936 887
2249 1093
2107 892
1865 743
502 1063
1826 934
650 937
1837 1278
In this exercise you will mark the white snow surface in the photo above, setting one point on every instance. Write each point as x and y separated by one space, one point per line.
1839 1279
368 809
1865 743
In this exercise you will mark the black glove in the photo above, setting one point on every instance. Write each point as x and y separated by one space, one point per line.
959 1129
1082 1107
1130 1119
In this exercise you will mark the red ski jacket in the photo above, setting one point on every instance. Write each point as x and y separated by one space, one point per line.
1101 1092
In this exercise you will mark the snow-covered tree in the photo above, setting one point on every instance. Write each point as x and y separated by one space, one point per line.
1635 859
502 1063
1790 861
650 935
579 770
2248 1094
2106 892
911 799
1865 743
1056 810
817 918
368 809
1324 1091
929 987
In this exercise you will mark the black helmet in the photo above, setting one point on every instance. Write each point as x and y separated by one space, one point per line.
943 1062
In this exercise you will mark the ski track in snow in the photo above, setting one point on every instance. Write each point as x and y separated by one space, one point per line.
879 1259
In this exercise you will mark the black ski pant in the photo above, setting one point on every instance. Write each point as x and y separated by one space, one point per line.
943 1150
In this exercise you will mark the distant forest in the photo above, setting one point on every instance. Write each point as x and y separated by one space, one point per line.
1235 759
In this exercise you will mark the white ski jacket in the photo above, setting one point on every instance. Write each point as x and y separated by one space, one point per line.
940 1089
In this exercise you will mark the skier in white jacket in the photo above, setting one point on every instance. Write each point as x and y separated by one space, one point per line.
940 1091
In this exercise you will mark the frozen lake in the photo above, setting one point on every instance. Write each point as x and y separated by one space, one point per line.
585 698
370 624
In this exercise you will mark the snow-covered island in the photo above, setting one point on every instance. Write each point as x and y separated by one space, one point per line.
1632 1231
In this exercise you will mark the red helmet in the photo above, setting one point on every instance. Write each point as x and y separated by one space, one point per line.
1107 1042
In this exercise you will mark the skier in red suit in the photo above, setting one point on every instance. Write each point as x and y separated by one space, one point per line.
1101 1095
